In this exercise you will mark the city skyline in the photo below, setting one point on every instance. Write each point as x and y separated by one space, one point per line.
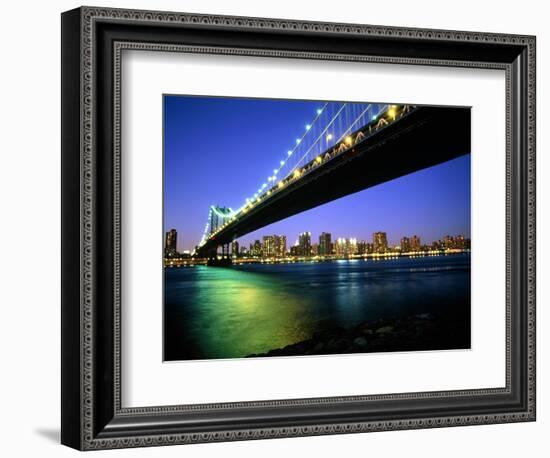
275 245
404 206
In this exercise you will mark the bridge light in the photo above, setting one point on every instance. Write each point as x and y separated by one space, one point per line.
275 171
329 137
297 173
348 140
282 162
298 141
319 111
318 159
308 126
391 112
374 118
289 153
281 184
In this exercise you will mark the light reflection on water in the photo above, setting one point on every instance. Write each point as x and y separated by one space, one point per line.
233 312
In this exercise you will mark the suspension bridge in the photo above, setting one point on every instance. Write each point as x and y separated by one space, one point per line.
345 148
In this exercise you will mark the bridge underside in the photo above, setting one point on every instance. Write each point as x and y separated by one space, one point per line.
425 137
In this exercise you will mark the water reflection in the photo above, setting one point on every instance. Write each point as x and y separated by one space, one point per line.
234 312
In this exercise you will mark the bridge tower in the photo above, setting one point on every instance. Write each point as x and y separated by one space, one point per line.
218 217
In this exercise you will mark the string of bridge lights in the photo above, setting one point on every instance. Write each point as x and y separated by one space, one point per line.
290 153
232 214
282 162
271 178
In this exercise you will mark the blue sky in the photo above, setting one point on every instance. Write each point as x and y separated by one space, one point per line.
217 152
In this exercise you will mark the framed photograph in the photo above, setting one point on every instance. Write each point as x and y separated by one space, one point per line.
276 228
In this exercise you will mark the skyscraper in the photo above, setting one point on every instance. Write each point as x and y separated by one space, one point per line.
274 246
352 246
380 242
405 245
314 249
304 243
448 242
170 243
346 247
235 248
340 246
280 246
325 244
415 243
268 246
256 249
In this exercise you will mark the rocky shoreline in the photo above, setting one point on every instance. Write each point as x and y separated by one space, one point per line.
423 331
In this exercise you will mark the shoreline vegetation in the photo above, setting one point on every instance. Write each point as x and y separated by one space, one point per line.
191 262
419 332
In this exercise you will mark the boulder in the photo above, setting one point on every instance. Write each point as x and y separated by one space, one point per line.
384 330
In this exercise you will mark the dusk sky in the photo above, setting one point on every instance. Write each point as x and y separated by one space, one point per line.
218 151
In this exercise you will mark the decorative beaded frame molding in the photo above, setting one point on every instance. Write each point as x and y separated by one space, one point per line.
88 435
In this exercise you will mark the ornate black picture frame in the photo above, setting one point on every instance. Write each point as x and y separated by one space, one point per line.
92 42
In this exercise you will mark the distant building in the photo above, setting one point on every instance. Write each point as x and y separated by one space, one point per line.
415 243
274 246
244 251
405 245
325 244
362 247
380 242
304 244
340 246
352 246
315 249
170 243
256 249
345 247
268 246
280 246
235 248
295 249
460 242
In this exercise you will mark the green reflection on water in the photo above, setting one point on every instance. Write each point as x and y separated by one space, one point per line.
244 312
215 313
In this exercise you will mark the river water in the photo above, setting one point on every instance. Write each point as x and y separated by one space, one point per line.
213 312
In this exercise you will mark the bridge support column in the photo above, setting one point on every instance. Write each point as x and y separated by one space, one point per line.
219 261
